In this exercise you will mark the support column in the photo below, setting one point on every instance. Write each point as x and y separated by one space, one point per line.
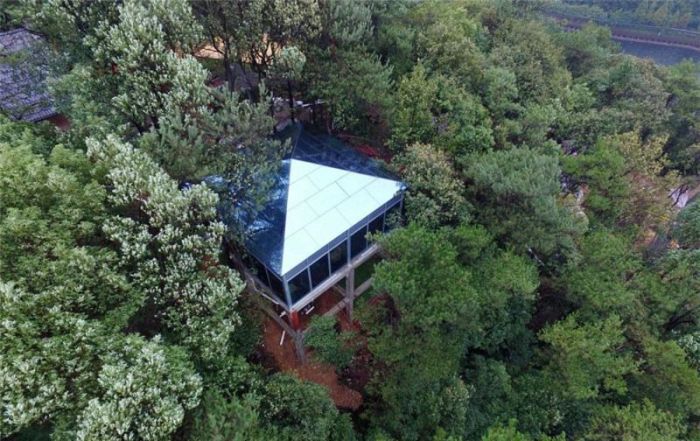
297 335
350 292
299 346
294 320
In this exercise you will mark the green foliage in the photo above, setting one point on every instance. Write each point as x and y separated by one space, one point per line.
586 48
39 137
449 40
677 302
222 419
589 357
294 409
119 320
435 195
634 422
169 241
510 433
424 278
688 230
602 282
630 93
251 32
442 301
437 110
150 79
527 50
228 138
328 345
143 392
357 86
600 170
668 379
491 387
413 120
517 191
683 147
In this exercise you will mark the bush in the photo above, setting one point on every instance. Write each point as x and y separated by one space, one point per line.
329 346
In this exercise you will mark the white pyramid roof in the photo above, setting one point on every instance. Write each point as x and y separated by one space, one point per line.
324 202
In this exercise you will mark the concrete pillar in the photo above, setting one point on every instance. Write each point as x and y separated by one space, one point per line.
294 320
299 346
350 292
297 335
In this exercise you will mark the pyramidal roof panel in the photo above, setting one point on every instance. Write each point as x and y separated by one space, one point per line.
323 189
323 203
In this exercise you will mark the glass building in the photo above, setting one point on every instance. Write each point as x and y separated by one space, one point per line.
326 199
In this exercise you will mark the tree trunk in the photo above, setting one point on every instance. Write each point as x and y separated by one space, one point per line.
291 99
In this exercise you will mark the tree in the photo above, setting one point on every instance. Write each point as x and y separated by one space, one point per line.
149 78
588 356
630 95
435 195
226 419
357 87
449 41
510 433
61 296
328 345
229 138
667 378
649 205
683 148
254 33
503 433
675 307
169 242
601 171
603 281
585 48
72 26
416 337
142 394
437 110
414 120
65 307
634 422
132 68
688 228
445 295
293 409
517 192
528 51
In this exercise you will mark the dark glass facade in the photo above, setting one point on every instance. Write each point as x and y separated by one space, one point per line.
320 270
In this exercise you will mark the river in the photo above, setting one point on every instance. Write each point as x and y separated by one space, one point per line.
666 55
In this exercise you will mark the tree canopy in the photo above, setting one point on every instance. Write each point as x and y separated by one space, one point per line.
544 283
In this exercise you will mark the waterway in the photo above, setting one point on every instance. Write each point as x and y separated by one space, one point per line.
666 55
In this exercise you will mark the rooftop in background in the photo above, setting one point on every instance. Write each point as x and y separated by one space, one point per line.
16 40
323 192
23 93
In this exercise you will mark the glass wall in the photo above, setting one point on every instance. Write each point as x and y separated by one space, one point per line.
339 256
326 265
299 286
277 286
320 270
377 225
358 242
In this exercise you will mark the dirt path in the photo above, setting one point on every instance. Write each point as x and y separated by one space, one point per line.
319 373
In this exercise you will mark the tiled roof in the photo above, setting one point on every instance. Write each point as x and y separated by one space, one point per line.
23 91
16 40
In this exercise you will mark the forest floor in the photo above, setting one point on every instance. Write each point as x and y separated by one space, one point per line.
285 359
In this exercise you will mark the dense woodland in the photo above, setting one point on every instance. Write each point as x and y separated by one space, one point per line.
544 287
668 13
